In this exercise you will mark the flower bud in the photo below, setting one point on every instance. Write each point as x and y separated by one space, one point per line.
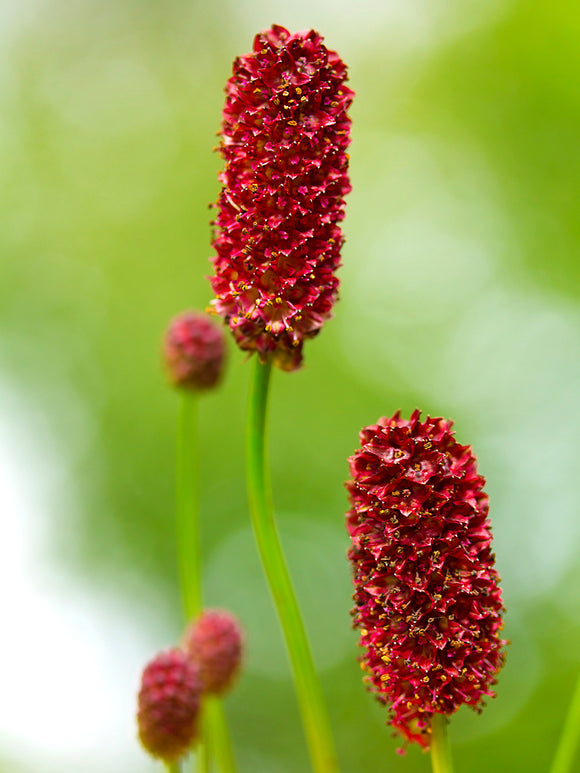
285 131
168 705
214 643
427 598
194 350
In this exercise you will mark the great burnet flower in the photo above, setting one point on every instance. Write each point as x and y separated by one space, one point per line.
168 705
285 131
214 643
427 598
194 351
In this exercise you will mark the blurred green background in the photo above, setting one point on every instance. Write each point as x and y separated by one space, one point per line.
460 295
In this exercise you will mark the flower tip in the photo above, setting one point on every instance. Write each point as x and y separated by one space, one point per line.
194 351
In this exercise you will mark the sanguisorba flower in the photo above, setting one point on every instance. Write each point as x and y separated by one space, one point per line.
285 131
214 643
427 598
194 351
168 705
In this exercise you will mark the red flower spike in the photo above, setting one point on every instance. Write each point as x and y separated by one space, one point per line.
285 131
214 643
194 351
427 597
168 705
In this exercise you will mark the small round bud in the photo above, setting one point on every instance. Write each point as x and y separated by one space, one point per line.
214 643
168 705
194 351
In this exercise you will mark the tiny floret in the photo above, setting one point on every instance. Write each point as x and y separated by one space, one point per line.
427 598
168 705
285 131
214 643
194 351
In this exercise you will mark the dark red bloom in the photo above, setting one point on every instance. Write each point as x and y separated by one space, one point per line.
194 350
214 643
168 705
285 131
427 597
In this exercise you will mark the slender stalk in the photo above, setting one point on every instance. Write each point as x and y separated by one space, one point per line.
187 507
213 724
568 744
200 762
220 744
173 767
308 689
440 746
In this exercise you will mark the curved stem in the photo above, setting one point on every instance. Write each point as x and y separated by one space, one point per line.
440 747
568 743
187 508
309 691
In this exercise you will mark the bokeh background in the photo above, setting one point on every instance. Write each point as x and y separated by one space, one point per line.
460 295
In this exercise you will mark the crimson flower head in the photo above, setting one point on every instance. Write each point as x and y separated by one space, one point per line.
168 705
427 598
214 643
194 351
285 131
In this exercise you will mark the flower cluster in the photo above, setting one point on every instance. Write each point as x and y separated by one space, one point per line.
285 131
194 351
168 705
214 642
174 682
427 598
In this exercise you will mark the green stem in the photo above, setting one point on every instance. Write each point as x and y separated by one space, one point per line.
440 747
568 743
200 761
173 767
309 691
220 744
189 558
187 507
